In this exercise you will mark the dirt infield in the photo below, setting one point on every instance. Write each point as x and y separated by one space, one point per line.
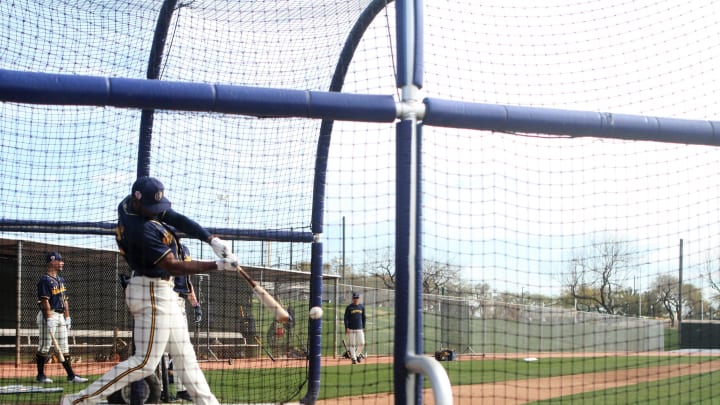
506 392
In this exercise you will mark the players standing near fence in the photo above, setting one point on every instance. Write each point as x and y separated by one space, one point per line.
355 327
146 239
53 319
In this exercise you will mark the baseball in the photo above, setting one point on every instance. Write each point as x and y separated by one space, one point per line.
316 313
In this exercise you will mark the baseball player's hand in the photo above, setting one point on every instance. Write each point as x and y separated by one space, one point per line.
229 263
52 323
68 323
198 314
220 247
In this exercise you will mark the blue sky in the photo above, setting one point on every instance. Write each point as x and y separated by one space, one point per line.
511 209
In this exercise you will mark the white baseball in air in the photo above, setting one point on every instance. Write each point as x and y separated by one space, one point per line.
316 313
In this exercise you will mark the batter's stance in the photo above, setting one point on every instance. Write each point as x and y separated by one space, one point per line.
54 316
146 239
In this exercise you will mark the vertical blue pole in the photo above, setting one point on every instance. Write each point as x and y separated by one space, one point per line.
315 325
153 72
403 335
137 391
408 267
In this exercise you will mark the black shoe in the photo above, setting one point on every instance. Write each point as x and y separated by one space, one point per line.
183 395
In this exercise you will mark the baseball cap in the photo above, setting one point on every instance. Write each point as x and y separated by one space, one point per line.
151 194
52 256
356 295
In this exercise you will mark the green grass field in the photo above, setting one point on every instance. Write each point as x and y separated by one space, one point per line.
341 381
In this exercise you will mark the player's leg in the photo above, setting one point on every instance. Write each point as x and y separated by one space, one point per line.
353 345
145 298
185 365
61 336
43 351
360 343
180 391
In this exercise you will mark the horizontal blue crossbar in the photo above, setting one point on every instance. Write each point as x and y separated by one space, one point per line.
505 118
58 89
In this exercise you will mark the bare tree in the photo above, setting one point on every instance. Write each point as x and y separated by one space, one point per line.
597 277
665 291
712 266
435 276
383 267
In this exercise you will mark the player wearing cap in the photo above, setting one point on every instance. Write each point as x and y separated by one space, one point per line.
355 327
146 238
53 317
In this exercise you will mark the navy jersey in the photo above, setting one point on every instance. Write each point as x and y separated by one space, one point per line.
52 289
143 242
182 285
355 316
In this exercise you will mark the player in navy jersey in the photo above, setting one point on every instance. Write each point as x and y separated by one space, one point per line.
146 238
53 317
355 328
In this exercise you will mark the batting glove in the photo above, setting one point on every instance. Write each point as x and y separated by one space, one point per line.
228 264
68 323
198 314
220 247
52 323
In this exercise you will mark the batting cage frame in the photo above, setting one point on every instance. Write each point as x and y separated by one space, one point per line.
410 114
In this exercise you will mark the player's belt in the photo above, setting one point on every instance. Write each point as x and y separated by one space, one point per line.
59 311
136 274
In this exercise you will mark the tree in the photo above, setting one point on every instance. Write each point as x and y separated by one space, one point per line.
597 277
713 266
665 292
436 275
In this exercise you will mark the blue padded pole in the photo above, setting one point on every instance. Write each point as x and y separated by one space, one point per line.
318 204
145 137
57 89
507 118
404 286
314 325
153 72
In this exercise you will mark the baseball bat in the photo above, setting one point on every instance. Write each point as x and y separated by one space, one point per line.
57 347
257 339
281 315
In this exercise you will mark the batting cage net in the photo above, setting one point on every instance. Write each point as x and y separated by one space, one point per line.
566 235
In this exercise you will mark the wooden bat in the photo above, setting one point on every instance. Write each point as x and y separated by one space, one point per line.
257 339
57 347
281 315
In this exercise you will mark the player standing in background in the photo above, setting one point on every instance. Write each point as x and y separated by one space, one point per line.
355 327
146 238
185 290
54 316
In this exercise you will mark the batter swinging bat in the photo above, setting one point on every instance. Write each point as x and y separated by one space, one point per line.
57 347
281 315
